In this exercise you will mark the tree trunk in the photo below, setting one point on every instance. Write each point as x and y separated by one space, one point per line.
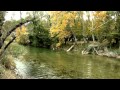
119 45
7 46
8 34
93 37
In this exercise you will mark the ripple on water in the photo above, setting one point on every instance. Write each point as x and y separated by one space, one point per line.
42 71
21 69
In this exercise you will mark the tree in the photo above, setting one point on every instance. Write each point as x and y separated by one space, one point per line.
2 39
38 33
22 35
62 22
99 17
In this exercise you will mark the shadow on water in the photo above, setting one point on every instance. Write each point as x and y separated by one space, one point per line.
47 64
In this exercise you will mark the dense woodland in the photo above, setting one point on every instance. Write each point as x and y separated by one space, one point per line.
98 30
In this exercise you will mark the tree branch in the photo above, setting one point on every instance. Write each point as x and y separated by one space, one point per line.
13 29
7 45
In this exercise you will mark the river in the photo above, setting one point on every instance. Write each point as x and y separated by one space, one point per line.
39 63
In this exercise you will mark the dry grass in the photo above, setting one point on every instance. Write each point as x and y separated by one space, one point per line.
8 74
7 67
8 62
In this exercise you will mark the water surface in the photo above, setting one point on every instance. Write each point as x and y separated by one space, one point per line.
47 64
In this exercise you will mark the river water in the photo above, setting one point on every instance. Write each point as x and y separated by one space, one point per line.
37 63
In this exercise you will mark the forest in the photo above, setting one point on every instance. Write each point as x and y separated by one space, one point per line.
60 45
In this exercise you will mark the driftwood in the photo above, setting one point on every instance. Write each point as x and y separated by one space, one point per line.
101 52
91 48
71 48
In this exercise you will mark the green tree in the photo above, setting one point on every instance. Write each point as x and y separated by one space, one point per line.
38 34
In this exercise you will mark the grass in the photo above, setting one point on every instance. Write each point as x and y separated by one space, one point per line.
8 62
7 67
8 74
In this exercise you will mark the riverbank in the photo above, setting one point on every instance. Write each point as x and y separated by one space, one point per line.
7 73
85 49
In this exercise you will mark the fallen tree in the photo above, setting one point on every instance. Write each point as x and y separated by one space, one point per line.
100 49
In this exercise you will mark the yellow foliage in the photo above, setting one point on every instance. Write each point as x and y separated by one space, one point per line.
78 24
21 30
58 45
21 34
60 19
100 15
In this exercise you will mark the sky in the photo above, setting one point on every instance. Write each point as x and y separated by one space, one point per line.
15 15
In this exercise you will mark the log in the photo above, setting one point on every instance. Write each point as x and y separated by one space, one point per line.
71 48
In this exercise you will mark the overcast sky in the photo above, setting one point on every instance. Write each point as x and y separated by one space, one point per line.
15 15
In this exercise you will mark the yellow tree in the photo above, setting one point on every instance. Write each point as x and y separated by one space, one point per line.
97 21
22 35
61 20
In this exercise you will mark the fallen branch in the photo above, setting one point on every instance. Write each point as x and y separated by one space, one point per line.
71 48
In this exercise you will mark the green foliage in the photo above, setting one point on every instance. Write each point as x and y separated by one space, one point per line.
2 14
39 36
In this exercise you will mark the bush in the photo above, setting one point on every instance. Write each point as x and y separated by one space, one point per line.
40 37
22 35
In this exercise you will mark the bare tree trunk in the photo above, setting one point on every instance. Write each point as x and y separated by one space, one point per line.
119 45
83 29
93 37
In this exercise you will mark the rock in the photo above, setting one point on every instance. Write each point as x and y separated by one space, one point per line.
100 51
110 54
100 54
118 57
